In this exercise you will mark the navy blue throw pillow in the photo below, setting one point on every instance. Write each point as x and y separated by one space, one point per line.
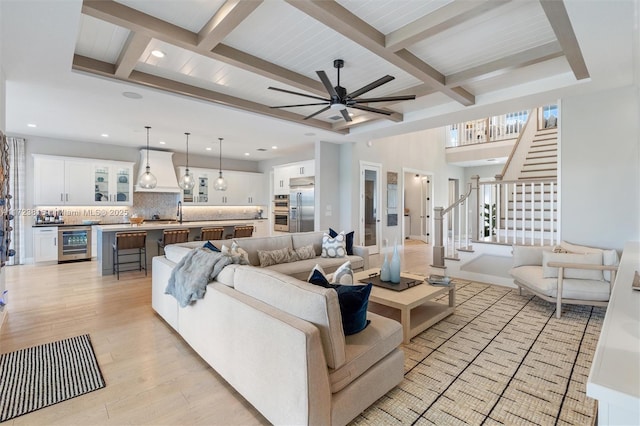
211 247
353 300
348 240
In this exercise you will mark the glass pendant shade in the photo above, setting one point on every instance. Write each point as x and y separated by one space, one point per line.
147 180
220 184
187 181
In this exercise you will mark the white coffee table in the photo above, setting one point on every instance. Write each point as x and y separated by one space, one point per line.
414 307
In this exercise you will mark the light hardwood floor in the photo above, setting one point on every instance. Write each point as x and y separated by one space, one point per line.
152 375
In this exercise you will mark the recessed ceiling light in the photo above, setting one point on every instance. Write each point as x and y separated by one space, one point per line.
31 125
208 148
158 53
274 147
351 114
247 154
132 95
104 135
162 142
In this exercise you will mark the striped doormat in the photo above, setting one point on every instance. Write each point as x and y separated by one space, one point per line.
44 375
501 358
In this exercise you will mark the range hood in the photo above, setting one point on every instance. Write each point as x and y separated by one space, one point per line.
161 167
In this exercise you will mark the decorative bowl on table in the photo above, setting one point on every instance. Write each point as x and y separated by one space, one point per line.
135 220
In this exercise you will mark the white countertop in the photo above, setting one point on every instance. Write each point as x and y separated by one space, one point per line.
615 370
164 225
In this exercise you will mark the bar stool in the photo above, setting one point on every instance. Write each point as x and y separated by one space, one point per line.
243 231
126 243
207 234
172 236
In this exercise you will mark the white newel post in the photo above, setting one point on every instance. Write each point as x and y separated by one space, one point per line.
438 243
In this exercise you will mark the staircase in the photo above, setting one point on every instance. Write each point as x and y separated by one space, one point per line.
541 161
520 207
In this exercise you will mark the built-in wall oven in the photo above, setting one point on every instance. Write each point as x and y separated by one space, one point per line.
74 243
281 213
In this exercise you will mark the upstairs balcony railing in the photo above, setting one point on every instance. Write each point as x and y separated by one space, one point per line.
491 129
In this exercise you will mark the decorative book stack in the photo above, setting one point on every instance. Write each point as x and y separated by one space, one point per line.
439 280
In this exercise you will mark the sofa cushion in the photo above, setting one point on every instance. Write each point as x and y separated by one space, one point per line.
175 252
365 349
343 275
334 247
305 252
301 239
609 257
528 255
227 275
348 239
251 245
315 304
274 257
581 274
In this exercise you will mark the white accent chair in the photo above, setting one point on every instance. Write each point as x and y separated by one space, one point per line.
566 273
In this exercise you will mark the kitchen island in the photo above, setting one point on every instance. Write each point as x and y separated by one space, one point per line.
106 235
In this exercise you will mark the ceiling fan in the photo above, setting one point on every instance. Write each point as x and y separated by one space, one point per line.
339 98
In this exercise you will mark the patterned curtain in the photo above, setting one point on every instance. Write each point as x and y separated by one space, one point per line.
17 165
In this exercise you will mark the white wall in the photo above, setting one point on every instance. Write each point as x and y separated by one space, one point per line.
327 183
600 168
424 150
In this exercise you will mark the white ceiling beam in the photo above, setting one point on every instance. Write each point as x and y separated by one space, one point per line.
136 21
450 15
559 20
104 69
133 48
504 65
341 20
226 19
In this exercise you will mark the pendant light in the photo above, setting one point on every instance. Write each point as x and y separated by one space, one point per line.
147 180
220 184
187 181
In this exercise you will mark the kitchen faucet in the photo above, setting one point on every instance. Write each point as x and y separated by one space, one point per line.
179 214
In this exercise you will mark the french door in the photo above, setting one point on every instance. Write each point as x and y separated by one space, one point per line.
370 212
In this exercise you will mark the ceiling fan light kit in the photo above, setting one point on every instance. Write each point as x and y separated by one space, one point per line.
147 180
187 181
339 99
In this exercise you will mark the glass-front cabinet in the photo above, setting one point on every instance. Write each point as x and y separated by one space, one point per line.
112 183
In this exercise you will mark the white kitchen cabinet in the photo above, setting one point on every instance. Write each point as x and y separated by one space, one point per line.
252 189
281 180
45 244
261 228
113 183
282 174
243 188
62 181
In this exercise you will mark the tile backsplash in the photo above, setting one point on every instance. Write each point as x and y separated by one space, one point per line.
148 204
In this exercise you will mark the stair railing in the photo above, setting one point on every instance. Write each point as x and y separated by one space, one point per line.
518 212
522 212
458 235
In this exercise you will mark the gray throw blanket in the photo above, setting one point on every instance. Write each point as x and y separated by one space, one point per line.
189 279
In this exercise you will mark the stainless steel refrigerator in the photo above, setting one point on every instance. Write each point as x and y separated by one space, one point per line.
301 204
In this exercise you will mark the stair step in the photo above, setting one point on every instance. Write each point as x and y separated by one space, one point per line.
553 140
538 168
538 177
540 161
544 143
542 149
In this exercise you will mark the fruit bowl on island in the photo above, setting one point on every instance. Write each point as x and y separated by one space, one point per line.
136 220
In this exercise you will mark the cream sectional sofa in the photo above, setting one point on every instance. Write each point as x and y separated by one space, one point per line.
279 341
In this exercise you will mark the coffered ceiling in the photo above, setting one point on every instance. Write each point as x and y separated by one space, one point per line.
453 55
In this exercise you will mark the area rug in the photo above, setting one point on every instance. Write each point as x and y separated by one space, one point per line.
501 358
44 375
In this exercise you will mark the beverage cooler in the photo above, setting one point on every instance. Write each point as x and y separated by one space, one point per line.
74 243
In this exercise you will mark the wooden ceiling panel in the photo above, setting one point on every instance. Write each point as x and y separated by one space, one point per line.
522 25
188 14
388 15
100 40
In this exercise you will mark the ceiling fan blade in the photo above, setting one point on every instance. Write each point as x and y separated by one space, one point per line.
387 99
317 112
327 83
299 105
376 110
299 94
345 115
371 86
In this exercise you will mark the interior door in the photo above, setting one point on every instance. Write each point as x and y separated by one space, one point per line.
370 212
426 199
